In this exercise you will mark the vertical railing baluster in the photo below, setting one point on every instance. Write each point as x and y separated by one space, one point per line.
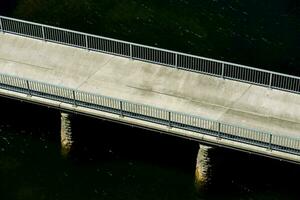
176 60
121 109
86 42
219 130
1 25
270 141
130 51
43 33
222 72
169 118
270 80
28 88
74 98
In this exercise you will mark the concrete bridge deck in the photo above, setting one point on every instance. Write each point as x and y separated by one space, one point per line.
229 101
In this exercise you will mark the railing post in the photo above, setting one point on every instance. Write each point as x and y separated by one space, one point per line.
219 130
270 142
176 60
169 118
130 51
28 88
86 42
43 33
223 69
74 98
270 81
1 25
121 109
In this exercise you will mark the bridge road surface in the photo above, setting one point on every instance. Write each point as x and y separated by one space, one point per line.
214 98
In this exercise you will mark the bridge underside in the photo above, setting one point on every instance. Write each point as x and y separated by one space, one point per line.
177 90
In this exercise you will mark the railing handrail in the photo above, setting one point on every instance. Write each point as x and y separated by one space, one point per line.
151 47
154 107
141 104
240 134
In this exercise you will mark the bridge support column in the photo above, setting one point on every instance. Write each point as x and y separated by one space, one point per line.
202 168
66 133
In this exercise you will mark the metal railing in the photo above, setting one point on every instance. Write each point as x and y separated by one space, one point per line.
168 58
149 113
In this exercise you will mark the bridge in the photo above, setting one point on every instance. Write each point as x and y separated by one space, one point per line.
211 101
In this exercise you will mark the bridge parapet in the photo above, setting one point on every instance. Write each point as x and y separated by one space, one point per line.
152 114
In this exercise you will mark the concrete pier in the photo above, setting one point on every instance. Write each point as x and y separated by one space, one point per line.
202 168
66 134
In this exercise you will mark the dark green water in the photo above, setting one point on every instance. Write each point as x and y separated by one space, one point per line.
260 33
111 161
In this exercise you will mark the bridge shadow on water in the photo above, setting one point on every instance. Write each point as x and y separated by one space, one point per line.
113 161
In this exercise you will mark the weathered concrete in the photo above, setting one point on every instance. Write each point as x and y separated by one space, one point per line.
225 100
66 133
202 168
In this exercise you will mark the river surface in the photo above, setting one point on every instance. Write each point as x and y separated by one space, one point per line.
111 161
259 33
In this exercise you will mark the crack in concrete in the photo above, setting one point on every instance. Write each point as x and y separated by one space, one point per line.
227 108
92 74
231 104
23 63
